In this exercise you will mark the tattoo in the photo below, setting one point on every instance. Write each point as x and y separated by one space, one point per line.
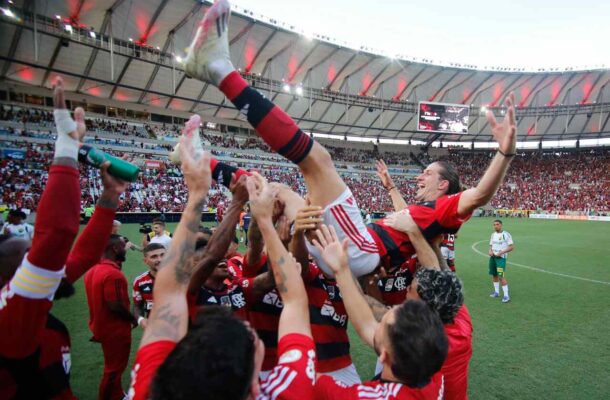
280 276
165 325
378 308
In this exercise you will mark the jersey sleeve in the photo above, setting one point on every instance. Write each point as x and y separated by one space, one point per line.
115 288
327 388
509 239
294 376
136 294
491 239
145 366
446 211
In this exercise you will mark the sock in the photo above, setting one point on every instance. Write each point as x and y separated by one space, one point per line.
505 290
57 219
221 172
273 125
497 287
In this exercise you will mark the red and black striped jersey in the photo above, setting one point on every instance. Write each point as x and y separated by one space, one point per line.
449 241
328 321
393 287
143 292
433 218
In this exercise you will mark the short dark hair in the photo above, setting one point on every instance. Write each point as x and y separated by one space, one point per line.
113 240
214 361
450 174
498 221
442 291
158 221
17 214
418 342
152 247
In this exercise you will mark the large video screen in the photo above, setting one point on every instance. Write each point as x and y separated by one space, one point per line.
442 117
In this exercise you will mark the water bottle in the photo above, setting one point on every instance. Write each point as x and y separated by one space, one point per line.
118 167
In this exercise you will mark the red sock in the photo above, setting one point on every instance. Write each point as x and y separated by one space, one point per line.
273 125
57 219
222 172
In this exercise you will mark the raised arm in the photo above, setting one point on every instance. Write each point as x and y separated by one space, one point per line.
402 221
221 239
169 317
398 201
505 134
92 241
358 310
295 315
308 219
254 253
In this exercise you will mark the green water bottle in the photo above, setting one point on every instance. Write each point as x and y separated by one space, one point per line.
118 168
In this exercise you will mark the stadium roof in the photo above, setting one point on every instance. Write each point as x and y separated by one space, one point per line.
326 87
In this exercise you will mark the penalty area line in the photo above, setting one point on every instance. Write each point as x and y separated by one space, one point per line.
473 247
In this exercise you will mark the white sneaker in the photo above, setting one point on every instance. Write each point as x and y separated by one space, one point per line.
208 57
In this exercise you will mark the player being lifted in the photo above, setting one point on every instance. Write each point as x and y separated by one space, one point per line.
441 207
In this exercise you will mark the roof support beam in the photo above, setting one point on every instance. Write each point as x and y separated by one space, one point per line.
258 53
15 40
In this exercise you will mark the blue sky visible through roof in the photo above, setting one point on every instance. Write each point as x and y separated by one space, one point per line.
531 34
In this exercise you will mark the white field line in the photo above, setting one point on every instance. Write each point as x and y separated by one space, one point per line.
473 247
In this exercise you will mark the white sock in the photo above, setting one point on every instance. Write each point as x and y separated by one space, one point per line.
220 69
65 146
505 290
497 287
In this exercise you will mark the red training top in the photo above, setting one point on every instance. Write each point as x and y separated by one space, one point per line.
455 368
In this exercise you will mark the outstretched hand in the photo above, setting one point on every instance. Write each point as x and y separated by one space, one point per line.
112 185
195 168
505 132
262 196
333 252
384 175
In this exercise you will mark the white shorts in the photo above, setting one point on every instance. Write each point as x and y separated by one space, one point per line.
344 215
447 254
347 375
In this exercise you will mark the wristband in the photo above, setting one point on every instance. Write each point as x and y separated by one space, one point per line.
140 319
507 155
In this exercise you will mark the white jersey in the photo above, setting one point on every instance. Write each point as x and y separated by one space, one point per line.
165 240
22 231
500 241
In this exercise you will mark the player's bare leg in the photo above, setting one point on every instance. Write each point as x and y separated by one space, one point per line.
208 60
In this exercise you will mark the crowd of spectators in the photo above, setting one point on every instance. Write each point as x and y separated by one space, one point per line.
555 182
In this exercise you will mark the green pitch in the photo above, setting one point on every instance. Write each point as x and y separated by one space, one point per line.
551 341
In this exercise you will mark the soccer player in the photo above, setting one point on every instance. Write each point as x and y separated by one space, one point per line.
221 357
500 244
409 339
441 208
16 225
144 283
448 249
158 234
110 320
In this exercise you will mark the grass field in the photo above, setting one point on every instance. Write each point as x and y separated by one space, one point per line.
552 341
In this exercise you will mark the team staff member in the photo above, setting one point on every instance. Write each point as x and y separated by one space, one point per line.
110 320
144 283
158 234
500 244
17 227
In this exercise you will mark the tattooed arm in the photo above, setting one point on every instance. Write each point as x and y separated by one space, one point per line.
295 315
378 308
169 316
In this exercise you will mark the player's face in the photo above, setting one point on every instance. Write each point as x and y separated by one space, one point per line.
497 227
158 229
221 271
121 250
115 229
430 185
153 259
